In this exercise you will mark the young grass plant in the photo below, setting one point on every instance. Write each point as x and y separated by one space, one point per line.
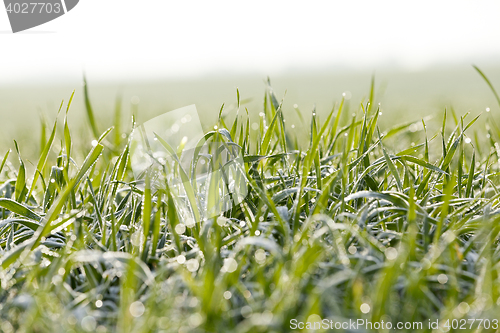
353 225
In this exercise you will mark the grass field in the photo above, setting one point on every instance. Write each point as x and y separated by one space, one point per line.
344 220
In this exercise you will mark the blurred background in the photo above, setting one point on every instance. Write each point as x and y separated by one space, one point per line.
155 55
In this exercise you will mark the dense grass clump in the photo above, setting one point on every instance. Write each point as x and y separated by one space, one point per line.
353 222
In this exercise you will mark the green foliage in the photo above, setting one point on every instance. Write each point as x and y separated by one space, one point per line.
340 224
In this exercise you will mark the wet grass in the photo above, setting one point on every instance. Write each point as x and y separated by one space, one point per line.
352 221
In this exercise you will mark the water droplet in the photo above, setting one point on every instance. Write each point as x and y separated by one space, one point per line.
181 259
137 309
180 228
442 278
463 308
230 265
192 265
246 311
391 253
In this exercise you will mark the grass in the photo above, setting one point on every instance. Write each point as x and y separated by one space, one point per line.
350 222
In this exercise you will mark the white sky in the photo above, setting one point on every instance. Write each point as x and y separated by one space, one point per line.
125 39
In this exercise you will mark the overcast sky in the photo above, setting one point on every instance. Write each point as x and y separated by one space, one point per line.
127 39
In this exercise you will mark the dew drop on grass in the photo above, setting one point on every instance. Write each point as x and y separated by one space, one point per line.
98 303
352 249
260 256
221 221
246 311
442 278
136 309
190 222
314 318
89 323
94 143
227 294
192 265
180 228
71 320
230 265
347 95
181 259
195 320
426 264
56 279
487 109
365 308
391 253
463 308
468 140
